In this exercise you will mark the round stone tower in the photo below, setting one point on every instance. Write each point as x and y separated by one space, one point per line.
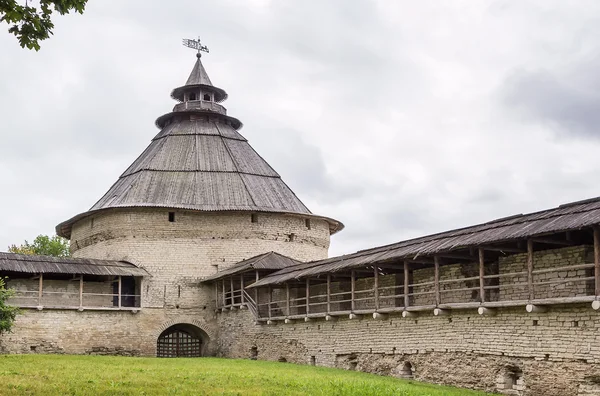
197 200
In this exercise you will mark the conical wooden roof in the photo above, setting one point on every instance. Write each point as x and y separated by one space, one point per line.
199 161
198 76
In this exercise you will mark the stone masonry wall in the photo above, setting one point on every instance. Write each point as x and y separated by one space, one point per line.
105 332
555 351
539 354
548 259
179 254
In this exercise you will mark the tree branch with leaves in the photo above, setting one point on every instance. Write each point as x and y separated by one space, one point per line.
43 245
32 24
7 313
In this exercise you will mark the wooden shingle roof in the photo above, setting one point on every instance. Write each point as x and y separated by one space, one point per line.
266 261
566 217
10 262
199 161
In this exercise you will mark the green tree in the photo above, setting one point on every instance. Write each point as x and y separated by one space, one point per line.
43 245
7 313
31 25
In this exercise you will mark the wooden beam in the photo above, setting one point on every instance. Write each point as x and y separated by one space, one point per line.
379 316
224 299
270 300
550 241
307 295
217 294
441 312
502 249
231 290
406 289
481 275
328 293
486 311
376 286
530 269
352 289
597 260
535 308
242 288
436 279
256 276
457 256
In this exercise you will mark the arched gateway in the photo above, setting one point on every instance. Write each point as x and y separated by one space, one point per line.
181 340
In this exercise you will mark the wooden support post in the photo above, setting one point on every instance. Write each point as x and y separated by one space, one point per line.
231 291
530 269
256 290
330 318
409 314
352 289
436 279
376 286
217 294
328 293
40 290
288 321
307 295
81 292
270 300
406 289
287 299
597 260
481 275
242 288
120 284
224 298
379 316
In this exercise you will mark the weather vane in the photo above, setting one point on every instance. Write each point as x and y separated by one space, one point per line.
195 44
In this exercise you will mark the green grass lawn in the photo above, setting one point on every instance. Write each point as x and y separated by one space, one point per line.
107 375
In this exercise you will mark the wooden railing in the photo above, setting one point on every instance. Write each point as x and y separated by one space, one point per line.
543 286
64 294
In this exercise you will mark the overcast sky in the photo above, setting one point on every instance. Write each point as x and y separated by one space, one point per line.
399 118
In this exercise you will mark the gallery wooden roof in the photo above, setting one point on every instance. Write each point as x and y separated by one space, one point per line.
10 262
567 217
265 261
200 163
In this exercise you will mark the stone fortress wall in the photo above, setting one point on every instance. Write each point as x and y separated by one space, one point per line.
548 354
177 255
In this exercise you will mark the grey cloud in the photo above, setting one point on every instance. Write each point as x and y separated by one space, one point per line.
543 97
343 98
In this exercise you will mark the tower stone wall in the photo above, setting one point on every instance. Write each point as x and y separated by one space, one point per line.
179 254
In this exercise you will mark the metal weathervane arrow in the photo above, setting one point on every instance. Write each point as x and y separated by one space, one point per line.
197 45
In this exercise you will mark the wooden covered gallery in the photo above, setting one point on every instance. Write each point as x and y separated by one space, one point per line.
43 282
533 260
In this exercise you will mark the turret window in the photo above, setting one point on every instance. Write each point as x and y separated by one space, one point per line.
192 96
207 97
171 217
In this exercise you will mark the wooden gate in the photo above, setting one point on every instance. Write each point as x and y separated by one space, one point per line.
178 343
